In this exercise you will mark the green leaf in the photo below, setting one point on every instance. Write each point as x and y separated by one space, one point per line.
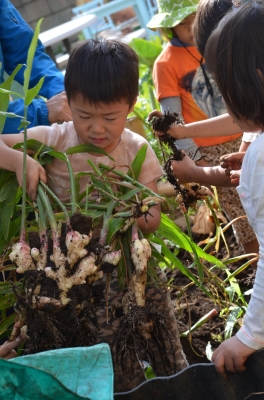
7 323
114 226
4 98
129 194
87 148
7 189
147 50
138 162
33 92
34 145
5 176
173 233
58 155
100 186
149 373
10 114
7 288
7 208
7 301
30 57
231 321
23 124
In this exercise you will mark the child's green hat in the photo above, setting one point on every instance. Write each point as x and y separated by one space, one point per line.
172 12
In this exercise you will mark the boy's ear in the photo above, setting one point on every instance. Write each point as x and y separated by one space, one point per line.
133 105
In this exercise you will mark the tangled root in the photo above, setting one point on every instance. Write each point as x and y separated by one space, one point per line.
141 333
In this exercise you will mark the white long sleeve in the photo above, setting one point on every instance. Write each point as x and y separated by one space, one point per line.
251 192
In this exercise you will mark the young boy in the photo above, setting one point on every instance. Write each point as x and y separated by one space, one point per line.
101 83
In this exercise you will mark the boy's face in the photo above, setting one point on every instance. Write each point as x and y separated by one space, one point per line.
183 30
101 125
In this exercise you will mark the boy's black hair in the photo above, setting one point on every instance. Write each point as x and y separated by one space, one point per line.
235 56
102 71
208 15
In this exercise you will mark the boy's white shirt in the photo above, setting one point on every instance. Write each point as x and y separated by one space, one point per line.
251 192
63 136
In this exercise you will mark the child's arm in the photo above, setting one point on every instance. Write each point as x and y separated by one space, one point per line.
7 349
222 125
187 171
12 160
231 356
155 217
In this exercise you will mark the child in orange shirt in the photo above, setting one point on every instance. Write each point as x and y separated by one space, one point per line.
183 85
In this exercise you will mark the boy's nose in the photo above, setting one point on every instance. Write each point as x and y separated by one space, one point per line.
98 127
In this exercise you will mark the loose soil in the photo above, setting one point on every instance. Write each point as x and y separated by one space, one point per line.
194 304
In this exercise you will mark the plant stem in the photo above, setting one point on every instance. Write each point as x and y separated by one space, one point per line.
126 177
46 203
72 186
60 204
188 224
24 184
41 215
199 323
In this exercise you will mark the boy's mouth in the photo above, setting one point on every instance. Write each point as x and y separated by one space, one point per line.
98 140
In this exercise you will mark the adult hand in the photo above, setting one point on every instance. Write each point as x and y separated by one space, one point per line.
7 349
58 108
35 173
231 356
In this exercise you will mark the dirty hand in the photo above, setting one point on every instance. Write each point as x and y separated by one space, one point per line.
182 170
156 113
231 356
176 131
35 172
7 349
58 108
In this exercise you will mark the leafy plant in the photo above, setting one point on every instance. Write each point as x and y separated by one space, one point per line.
202 271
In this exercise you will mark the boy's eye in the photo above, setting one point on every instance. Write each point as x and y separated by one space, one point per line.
110 119
82 117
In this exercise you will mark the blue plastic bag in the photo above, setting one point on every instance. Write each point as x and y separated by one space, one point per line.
68 374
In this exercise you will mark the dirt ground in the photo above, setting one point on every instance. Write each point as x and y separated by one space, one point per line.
195 304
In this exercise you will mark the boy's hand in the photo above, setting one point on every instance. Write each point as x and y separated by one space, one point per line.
231 356
35 173
7 349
